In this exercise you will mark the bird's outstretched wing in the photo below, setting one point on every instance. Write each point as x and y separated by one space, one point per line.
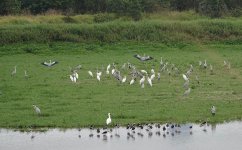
148 58
53 63
137 56
45 63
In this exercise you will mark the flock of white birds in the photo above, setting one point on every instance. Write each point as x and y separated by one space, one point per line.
136 74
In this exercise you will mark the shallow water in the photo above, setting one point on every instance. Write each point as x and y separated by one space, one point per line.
218 137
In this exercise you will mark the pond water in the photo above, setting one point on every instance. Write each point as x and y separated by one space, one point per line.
218 137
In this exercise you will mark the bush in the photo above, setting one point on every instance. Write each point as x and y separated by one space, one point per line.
236 12
105 17
213 8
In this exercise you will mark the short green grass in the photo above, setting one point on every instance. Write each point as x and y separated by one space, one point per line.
64 104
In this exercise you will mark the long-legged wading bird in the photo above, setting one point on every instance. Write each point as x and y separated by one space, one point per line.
90 73
25 74
14 71
187 92
213 110
185 77
109 120
50 63
124 79
37 110
132 81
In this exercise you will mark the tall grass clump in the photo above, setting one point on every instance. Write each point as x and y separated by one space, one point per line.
162 31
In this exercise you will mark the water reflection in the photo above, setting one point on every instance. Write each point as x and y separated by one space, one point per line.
172 136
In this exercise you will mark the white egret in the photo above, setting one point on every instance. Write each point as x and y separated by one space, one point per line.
143 71
152 77
76 74
98 78
25 74
109 120
205 65
73 78
108 67
213 110
152 71
132 81
99 73
185 77
14 71
142 80
49 64
161 62
37 110
124 79
113 70
149 81
187 92
90 73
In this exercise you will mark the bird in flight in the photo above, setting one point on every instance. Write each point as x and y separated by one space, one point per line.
143 58
50 63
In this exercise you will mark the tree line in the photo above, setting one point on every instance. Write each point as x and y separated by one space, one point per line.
133 8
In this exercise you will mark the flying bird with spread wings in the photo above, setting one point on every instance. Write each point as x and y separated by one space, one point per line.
143 58
49 64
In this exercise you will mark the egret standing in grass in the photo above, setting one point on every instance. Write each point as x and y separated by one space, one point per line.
124 79
132 81
37 110
25 74
187 92
14 71
213 110
109 120
90 73
108 67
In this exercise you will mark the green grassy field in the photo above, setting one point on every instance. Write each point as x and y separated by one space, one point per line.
65 104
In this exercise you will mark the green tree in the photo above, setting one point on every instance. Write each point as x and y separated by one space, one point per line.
10 7
213 8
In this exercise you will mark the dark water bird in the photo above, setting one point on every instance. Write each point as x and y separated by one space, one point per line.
91 135
172 126
150 134
50 63
158 133
32 137
117 135
98 130
164 128
104 132
140 134
164 135
143 58
213 110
